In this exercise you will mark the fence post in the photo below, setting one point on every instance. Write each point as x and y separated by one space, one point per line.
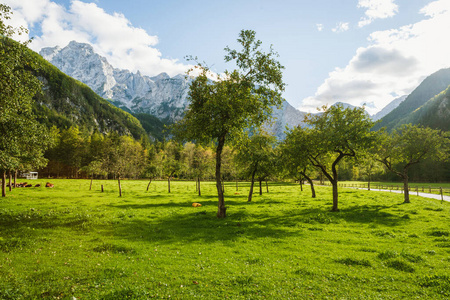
102 188
430 189
442 195
417 189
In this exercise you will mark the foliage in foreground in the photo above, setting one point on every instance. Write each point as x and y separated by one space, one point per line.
71 242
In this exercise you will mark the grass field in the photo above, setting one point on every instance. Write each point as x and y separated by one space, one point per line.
70 242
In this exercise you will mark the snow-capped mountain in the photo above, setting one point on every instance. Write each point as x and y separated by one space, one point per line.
162 96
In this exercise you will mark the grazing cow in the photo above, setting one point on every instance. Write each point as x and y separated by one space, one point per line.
196 204
49 185
37 185
28 185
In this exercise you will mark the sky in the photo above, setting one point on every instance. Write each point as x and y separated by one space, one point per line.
361 52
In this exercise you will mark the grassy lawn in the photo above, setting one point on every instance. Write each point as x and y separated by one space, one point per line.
70 242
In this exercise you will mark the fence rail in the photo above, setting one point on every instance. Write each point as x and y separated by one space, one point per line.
390 187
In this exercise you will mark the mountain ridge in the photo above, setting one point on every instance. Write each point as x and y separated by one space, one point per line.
162 96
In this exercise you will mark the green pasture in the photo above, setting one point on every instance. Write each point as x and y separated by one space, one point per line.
69 242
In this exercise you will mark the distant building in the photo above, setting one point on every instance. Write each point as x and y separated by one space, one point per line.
31 175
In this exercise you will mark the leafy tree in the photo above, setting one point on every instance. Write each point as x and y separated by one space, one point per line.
93 168
369 166
171 163
410 145
338 133
22 139
255 154
220 109
123 157
295 151
152 165
198 162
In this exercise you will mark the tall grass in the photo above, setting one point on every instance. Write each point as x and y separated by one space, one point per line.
71 242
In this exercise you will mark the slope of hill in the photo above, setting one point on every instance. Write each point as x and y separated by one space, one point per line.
435 113
65 101
162 96
430 87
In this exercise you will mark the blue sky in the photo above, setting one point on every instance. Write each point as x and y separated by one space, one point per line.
355 51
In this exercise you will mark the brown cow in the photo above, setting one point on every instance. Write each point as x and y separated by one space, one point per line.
49 185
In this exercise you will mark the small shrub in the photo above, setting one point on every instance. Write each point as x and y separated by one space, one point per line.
354 262
400 265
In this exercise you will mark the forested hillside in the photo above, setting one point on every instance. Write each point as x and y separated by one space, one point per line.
66 102
435 113
430 87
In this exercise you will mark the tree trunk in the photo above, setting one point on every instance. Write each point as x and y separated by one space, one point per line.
148 185
406 188
168 183
250 193
267 186
334 183
221 212
15 178
300 181
10 180
199 189
120 187
4 184
260 187
92 178
368 181
313 191
237 186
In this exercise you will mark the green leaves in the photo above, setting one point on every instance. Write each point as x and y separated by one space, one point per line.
238 99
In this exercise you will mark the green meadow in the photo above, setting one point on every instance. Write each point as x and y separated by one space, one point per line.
69 242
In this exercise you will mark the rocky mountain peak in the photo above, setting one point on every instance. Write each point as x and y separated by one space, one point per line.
162 96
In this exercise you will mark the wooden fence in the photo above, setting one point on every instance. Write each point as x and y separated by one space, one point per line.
414 189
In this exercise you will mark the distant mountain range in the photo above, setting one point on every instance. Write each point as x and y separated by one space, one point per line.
388 108
162 99
66 102
162 96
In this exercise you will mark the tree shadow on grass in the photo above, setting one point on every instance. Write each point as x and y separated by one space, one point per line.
366 214
201 226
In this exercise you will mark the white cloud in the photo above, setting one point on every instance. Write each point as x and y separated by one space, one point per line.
112 35
341 27
319 27
393 64
377 9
